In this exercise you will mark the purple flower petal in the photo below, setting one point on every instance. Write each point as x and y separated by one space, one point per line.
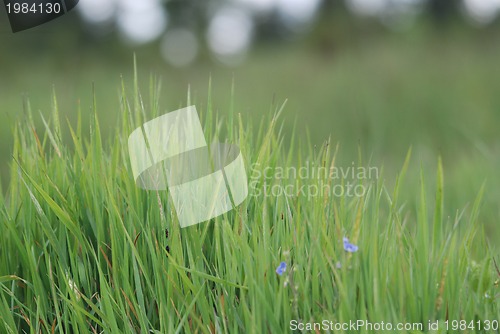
281 268
348 247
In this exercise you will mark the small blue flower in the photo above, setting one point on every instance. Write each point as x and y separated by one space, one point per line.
281 268
348 247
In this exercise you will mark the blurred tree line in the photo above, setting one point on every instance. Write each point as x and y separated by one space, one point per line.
333 24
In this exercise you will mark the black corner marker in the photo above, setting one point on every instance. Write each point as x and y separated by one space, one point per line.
26 14
70 4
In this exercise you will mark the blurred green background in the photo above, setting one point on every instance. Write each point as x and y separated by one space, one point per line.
379 75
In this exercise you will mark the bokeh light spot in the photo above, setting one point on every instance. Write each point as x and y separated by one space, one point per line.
179 47
141 21
229 34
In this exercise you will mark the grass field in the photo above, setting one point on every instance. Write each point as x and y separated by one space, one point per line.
84 249
436 93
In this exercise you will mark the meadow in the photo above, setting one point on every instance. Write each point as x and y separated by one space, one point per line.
84 249
436 93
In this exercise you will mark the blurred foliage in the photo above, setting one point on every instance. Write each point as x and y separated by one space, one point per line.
71 35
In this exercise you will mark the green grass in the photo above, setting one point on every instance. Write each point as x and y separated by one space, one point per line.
83 248
436 93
